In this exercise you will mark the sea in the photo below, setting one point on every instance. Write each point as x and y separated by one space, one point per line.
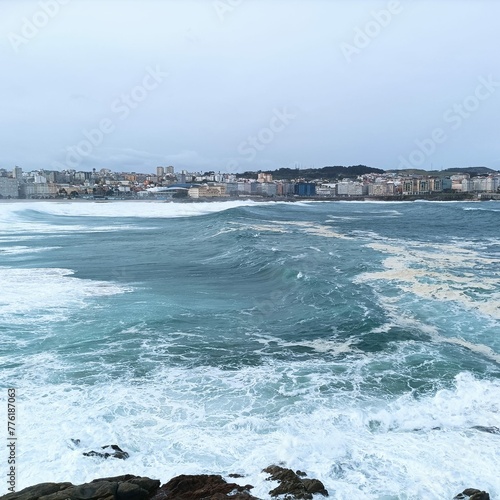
356 341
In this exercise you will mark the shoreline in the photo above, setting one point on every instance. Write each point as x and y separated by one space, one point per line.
466 197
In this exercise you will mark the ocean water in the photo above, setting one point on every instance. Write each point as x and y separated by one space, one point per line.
359 342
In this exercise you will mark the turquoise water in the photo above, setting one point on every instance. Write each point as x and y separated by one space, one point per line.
357 341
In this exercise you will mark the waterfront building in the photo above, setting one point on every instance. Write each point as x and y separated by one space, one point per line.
232 188
381 189
285 188
305 189
466 185
42 190
435 184
417 185
207 191
456 181
268 189
488 184
244 187
350 188
9 188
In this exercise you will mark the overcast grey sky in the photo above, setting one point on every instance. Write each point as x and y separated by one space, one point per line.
249 84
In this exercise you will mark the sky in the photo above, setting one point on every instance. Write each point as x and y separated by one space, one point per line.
237 85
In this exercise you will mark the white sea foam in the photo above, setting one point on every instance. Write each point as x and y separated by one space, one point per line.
481 209
18 249
328 411
16 239
44 229
316 229
28 295
330 346
484 350
287 227
439 273
19 218
246 420
120 209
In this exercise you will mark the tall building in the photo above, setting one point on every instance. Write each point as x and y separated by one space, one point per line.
160 172
17 173
170 170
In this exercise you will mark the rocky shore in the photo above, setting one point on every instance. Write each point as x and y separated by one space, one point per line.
291 485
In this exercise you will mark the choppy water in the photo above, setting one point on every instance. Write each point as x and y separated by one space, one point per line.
359 342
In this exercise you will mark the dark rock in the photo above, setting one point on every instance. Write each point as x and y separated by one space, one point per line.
37 491
76 442
300 473
102 490
482 428
314 486
235 475
131 491
472 494
117 452
150 485
292 485
202 486
114 488
481 495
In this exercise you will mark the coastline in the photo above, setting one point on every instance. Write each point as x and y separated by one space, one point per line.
448 197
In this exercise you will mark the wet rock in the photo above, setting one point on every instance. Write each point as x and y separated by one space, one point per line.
472 494
202 486
37 491
292 485
314 486
129 486
235 475
112 488
116 453
482 428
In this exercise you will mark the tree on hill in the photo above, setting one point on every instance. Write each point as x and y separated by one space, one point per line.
331 173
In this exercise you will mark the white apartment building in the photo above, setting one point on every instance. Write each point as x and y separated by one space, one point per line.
350 188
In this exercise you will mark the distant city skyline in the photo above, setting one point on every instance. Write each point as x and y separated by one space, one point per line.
235 85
